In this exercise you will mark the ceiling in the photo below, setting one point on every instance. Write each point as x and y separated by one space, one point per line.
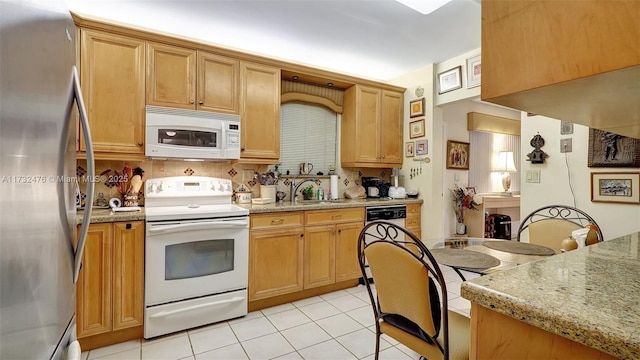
373 39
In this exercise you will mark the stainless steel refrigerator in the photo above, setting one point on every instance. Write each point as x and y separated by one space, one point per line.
40 106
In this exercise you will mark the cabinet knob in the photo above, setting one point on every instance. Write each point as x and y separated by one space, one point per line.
241 149
301 235
201 102
192 101
140 143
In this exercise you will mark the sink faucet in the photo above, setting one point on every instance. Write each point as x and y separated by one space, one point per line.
295 187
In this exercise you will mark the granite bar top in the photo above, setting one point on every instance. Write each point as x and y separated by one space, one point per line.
590 295
106 215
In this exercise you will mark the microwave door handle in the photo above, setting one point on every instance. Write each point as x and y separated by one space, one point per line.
84 121
165 229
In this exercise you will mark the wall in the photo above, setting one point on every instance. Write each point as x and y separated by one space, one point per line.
562 176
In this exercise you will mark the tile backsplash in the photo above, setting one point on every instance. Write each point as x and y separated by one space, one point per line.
239 173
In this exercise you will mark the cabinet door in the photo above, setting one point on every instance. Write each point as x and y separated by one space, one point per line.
275 262
391 124
367 125
259 113
171 76
347 264
112 77
319 255
128 274
218 82
94 302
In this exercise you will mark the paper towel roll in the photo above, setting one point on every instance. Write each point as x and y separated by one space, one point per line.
334 187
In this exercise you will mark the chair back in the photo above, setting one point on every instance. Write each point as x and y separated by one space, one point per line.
407 279
549 225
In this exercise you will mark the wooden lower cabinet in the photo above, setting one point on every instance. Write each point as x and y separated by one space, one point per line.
110 287
294 251
276 244
413 222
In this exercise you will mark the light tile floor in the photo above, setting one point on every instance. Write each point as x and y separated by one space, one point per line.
337 325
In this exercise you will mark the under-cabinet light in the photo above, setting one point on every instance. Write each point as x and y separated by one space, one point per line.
424 6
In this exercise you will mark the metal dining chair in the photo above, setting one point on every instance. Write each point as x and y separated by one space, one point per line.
410 297
551 224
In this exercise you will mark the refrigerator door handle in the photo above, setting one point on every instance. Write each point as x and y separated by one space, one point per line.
84 121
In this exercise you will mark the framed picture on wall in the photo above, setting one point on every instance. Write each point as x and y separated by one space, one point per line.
416 129
450 80
618 187
417 108
409 149
457 155
474 72
607 149
421 147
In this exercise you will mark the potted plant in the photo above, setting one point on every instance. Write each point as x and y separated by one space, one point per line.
307 193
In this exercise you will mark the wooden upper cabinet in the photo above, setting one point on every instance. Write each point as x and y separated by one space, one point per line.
171 76
371 127
391 125
218 83
577 61
259 113
112 79
197 80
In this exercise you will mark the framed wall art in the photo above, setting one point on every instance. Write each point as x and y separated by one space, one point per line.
618 187
417 108
450 80
416 129
607 149
422 147
474 72
409 149
457 155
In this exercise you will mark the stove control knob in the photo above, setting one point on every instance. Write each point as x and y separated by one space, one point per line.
152 187
160 187
220 187
228 187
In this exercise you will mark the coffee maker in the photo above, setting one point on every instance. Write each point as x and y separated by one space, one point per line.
371 186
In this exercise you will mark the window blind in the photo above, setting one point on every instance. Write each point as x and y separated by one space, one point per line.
307 134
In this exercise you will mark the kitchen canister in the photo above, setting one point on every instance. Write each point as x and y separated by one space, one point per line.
243 197
268 192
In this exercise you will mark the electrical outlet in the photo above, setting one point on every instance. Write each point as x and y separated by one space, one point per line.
565 145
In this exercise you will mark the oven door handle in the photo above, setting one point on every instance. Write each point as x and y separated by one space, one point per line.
211 225
196 307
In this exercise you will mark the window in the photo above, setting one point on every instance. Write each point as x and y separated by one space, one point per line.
485 147
308 133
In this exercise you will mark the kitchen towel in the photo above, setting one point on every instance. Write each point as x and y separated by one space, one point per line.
334 187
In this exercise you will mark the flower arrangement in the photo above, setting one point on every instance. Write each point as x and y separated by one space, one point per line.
463 198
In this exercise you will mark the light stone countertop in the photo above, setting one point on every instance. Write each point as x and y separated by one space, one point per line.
106 215
589 295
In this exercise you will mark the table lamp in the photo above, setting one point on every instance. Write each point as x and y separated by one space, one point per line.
506 166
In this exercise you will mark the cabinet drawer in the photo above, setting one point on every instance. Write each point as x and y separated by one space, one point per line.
412 223
281 219
333 216
413 210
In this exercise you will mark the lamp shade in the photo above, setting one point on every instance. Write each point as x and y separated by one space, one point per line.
505 162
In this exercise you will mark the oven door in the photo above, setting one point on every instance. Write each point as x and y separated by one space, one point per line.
191 258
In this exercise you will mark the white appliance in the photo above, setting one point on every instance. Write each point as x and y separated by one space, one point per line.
40 104
196 254
190 134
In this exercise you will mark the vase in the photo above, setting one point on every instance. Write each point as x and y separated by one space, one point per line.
461 228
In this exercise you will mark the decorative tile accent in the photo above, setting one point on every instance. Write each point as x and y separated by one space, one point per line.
346 182
383 174
287 182
251 183
189 171
232 172
318 182
80 171
360 174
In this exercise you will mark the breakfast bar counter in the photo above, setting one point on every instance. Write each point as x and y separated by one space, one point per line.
581 303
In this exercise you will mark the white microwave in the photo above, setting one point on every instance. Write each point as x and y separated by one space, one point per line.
189 134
